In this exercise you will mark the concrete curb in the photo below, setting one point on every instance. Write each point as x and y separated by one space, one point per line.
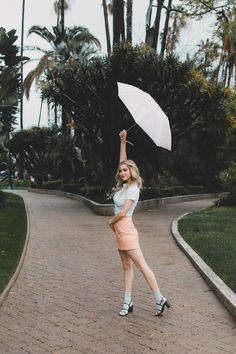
6 290
108 209
99 209
222 291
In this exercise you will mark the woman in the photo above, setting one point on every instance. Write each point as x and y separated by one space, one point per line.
126 198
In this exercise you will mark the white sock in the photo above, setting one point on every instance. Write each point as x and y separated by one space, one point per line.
127 297
157 295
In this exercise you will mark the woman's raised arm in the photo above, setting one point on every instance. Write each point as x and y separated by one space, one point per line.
123 135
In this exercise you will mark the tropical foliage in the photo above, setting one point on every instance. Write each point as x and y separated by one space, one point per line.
44 153
9 80
10 91
194 93
197 110
68 48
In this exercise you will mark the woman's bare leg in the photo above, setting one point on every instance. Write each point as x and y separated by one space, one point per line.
128 281
138 259
128 270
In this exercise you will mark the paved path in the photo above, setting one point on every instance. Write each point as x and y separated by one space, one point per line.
69 290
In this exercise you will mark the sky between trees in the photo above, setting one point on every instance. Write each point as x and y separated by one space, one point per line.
88 13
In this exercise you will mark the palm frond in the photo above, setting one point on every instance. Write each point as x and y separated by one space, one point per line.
81 34
43 32
28 82
44 63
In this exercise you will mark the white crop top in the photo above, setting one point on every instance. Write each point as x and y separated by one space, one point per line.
130 193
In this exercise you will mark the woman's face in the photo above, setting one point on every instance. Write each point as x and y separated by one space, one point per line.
124 173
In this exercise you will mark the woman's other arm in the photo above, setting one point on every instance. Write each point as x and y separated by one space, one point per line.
122 213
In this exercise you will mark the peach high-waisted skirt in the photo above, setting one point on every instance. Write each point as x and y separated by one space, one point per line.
126 234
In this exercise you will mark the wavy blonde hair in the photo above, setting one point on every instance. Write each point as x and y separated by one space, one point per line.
135 175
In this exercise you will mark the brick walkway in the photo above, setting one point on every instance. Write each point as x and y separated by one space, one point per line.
69 290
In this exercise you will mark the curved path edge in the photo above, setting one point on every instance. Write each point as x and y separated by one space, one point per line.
222 291
108 209
8 287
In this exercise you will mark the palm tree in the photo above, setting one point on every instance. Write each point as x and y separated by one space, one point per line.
78 43
157 21
166 27
129 16
9 80
116 8
227 32
152 32
21 68
104 4
179 22
59 7
149 29
75 45
118 22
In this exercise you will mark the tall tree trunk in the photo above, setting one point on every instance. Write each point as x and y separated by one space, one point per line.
55 115
21 66
21 79
157 24
163 43
149 29
118 22
62 18
129 16
104 4
63 120
40 112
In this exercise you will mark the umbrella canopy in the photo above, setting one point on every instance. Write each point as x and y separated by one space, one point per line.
147 114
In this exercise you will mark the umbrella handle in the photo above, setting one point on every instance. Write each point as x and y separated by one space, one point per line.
129 142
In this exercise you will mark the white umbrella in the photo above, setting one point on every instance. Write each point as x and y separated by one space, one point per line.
147 114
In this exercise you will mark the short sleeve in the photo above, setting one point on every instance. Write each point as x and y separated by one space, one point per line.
132 193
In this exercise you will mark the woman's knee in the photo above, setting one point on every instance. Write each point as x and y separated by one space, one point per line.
142 267
139 261
127 264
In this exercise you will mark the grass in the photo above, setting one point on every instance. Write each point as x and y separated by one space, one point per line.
212 234
13 225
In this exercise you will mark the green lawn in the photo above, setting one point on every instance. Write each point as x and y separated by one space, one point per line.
212 234
13 225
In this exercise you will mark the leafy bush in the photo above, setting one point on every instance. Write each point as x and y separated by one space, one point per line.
21 183
71 188
195 189
52 184
228 177
162 192
2 197
230 200
196 109
97 193
180 190
149 193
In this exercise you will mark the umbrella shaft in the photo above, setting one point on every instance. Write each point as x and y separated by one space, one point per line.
131 127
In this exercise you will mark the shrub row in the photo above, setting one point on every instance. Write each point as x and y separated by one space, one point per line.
230 200
2 197
103 194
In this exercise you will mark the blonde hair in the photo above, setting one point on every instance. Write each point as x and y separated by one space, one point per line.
135 176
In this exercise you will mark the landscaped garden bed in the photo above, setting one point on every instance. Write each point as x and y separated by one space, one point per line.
103 194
